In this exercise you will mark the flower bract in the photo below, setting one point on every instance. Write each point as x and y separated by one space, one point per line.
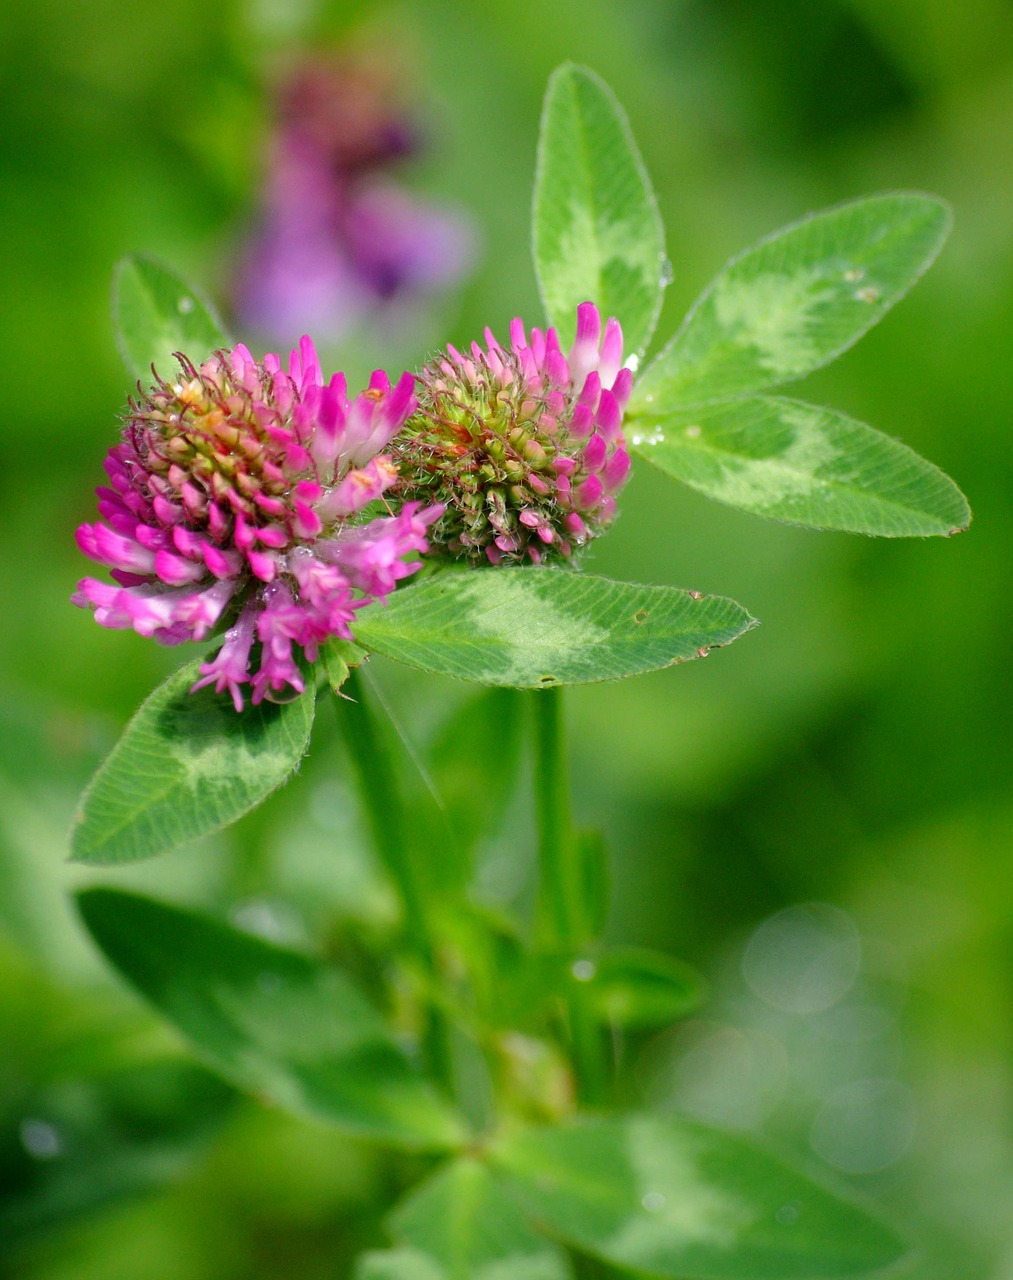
240 496
521 445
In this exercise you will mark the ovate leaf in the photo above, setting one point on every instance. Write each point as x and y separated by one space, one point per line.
530 628
467 1224
805 465
672 1198
155 314
636 987
186 765
272 1021
596 228
796 300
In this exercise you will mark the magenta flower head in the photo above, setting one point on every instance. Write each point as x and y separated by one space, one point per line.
238 496
521 446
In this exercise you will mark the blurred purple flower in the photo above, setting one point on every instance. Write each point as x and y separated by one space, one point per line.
338 240
237 495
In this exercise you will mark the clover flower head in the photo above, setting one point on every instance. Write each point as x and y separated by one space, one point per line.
521 446
238 496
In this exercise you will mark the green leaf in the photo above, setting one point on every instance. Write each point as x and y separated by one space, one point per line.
596 228
636 987
530 628
338 657
795 301
186 765
274 1022
156 314
673 1198
620 987
463 1221
805 465
397 1264
86 1141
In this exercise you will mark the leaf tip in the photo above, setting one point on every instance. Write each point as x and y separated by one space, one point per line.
965 520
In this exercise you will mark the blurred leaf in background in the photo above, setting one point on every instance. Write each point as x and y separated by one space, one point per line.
855 755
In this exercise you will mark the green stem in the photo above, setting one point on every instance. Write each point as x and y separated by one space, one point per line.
561 916
381 800
559 896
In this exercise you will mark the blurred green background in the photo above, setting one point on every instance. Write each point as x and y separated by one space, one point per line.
852 753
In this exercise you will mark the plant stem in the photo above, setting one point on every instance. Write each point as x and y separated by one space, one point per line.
561 911
560 890
381 800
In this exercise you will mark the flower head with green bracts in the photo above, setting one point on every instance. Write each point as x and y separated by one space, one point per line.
521 445
238 496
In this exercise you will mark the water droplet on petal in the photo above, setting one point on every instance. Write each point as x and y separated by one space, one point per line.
633 363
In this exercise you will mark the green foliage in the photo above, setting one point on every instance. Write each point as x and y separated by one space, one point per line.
86 1143
594 882
795 301
530 628
274 1022
185 766
474 761
646 1193
157 314
465 1223
636 987
596 228
804 465
727 798
396 1264
338 657
673 1198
